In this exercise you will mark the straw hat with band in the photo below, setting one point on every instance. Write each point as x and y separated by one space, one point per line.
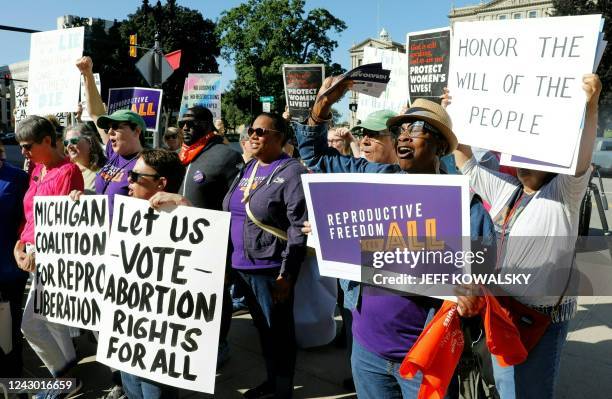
432 113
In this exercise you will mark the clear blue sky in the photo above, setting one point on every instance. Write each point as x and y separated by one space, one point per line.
364 18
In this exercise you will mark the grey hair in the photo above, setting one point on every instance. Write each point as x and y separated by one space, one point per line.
89 133
35 128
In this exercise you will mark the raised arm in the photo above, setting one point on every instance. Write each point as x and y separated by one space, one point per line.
95 106
592 88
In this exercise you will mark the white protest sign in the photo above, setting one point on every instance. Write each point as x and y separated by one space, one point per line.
517 84
70 240
53 76
205 90
21 103
85 114
164 293
395 97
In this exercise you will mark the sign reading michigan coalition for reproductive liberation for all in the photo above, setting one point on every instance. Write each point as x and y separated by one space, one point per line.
163 295
70 239
376 214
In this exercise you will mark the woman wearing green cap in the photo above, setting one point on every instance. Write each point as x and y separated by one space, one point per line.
121 133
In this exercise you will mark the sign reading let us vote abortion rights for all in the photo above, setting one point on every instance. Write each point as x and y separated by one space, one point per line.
517 84
352 214
163 295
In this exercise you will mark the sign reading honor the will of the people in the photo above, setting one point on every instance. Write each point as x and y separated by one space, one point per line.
302 83
53 79
428 60
163 295
395 96
145 102
203 89
361 222
70 239
517 84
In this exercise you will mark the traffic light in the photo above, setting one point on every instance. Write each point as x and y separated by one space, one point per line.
133 44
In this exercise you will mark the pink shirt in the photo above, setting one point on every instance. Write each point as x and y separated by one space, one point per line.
60 180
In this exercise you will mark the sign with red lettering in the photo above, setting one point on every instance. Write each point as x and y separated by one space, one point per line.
428 61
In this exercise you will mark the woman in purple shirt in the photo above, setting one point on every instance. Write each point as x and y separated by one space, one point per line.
268 209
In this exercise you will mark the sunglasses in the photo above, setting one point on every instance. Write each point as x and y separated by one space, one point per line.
189 123
134 176
260 132
119 125
373 134
416 130
171 137
72 141
26 147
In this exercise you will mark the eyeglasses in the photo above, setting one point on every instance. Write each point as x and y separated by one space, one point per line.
118 125
373 134
26 147
189 123
260 131
72 141
416 130
134 176
171 137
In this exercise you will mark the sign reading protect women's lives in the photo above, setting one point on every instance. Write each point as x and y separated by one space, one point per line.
71 240
302 83
141 100
395 96
53 79
355 214
202 89
428 60
517 84
162 302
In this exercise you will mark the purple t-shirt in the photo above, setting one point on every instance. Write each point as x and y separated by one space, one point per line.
112 179
389 324
236 207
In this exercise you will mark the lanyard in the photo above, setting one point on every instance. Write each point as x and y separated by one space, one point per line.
505 224
247 190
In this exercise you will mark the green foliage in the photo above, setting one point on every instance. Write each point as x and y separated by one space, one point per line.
604 7
180 28
259 36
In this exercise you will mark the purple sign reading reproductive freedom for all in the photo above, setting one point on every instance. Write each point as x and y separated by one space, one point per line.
145 102
347 209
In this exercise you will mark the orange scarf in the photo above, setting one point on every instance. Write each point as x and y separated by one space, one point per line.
189 152
438 349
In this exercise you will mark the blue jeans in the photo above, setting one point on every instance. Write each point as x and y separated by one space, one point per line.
275 324
537 376
378 378
139 388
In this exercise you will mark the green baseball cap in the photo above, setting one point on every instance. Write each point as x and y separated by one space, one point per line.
376 121
122 115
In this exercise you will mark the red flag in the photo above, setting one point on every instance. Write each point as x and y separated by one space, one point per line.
174 59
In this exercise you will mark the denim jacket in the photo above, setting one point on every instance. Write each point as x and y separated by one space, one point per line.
319 158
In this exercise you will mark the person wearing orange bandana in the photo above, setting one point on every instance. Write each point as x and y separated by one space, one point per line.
211 169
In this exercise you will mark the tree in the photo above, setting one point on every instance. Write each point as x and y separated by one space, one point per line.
259 36
180 28
604 7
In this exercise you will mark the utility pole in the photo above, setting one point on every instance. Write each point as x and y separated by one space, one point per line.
157 79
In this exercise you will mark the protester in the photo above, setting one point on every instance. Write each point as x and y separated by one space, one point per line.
52 175
220 130
156 172
544 207
386 326
268 208
342 140
376 144
211 168
13 186
121 133
244 144
173 139
84 149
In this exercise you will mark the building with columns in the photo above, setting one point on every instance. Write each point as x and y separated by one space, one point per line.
383 41
502 9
